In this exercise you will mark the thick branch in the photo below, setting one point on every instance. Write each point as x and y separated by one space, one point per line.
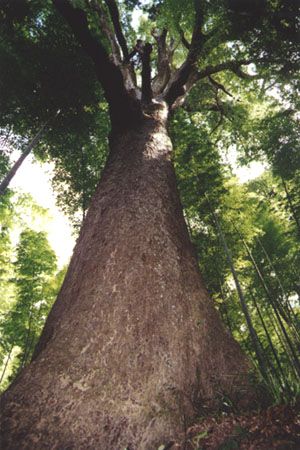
184 41
240 73
115 17
163 62
233 66
146 74
176 87
207 72
197 36
116 53
120 103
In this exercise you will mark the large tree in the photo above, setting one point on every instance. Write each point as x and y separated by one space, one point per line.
133 348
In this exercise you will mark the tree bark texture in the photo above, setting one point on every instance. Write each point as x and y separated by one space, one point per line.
133 347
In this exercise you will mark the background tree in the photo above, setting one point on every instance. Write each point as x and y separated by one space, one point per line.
34 267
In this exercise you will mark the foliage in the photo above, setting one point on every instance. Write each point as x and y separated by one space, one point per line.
28 282
266 257
61 80
34 266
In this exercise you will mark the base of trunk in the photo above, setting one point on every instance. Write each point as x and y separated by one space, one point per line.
63 414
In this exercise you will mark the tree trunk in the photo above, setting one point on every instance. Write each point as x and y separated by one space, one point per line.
291 205
6 364
133 346
13 170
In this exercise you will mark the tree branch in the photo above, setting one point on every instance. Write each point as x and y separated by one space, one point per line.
176 87
197 37
220 109
207 72
241 74
115 17
219 86
109 75
235 67
163 62
185 43
116 54
125 67
226 65
146 74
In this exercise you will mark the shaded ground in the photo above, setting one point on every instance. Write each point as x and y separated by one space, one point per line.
277 427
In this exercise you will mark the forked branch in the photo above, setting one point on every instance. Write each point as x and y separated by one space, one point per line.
195 76
176 87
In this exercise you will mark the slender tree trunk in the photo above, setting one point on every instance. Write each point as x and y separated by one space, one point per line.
12 172
133 345
224 309
28 340
278 304
287 304
280 373
291 205
254 338
6 364
276 310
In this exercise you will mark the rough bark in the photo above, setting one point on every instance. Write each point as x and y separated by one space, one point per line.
133 347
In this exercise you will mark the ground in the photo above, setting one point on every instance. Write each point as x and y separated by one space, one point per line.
277 427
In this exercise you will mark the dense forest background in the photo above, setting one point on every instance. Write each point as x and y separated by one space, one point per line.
246 235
